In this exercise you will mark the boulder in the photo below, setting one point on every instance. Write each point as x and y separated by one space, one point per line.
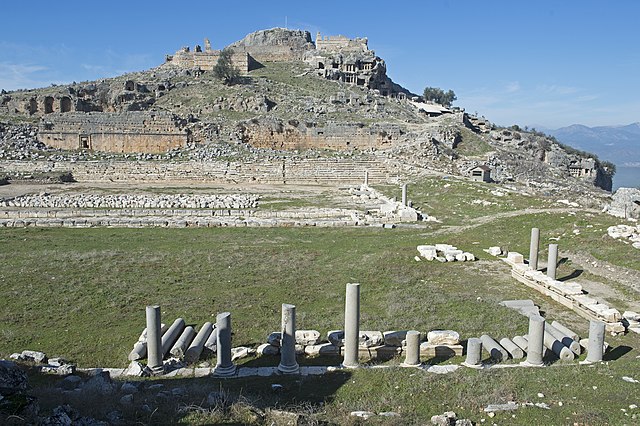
274 338
394 338
307 337
336 337
268 349
371 338
443 337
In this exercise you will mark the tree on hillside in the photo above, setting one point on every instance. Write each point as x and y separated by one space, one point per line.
224 69
439 96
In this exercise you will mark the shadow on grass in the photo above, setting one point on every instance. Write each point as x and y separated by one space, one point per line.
575 274
616 353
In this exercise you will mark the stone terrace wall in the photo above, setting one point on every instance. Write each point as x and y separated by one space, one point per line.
299 171
149 132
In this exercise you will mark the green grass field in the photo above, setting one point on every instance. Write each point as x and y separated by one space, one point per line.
81 294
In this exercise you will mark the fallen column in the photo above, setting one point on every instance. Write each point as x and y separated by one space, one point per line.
351 325
534 247
513 349
595 349
494 349
195 349
154 340
180 347
552 261
212 341
566 331
558 348
172 334
535 341
474 353
288 363
566 340
224 366
521 342
412 358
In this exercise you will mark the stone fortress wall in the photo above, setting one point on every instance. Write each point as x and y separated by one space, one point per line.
152 132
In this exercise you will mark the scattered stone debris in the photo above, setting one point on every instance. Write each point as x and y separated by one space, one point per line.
444 253
449 418
629 232
630 379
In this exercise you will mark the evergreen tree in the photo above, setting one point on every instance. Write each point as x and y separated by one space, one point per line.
224 69
439 96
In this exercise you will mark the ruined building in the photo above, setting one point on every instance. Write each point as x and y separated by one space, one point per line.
150 132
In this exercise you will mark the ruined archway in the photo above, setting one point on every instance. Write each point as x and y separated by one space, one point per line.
33 106
48 105
65 104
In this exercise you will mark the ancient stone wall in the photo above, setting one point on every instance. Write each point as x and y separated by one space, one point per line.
207 60
333 135
149 132
298 171
341 43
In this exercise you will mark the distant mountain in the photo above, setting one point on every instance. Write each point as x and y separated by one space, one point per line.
618 144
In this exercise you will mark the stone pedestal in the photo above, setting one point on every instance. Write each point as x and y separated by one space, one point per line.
404 195
154 340
474 353
534 247
412 358
552 262
288 363
596 341
224 366
535 340
351 325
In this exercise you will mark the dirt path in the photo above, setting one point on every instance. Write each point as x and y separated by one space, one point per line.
629 278
483 220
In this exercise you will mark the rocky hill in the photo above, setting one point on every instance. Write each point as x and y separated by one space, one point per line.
295 97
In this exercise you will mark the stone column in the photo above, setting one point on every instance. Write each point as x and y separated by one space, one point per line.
412 358
366 178
533 248
351 325
195 349
404 195
494 349
474 353
288 363
595 350
514 350
535 340
224 367
552 263
154 340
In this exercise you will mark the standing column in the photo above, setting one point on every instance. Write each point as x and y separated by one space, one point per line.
404 195
533 248
366 178
288 363
412 358
474 353
224 366
351 325
535 341
595 349
154 340
552 262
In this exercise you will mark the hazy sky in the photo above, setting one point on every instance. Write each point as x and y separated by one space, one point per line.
541 63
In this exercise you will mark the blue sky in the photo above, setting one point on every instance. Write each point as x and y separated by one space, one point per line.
538 63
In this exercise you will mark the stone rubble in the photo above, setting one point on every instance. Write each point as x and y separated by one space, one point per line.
445 253
626 232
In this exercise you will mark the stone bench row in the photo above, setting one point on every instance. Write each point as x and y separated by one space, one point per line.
74 213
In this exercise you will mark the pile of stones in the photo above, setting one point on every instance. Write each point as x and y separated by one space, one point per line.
57 366
147 201
389 343
632 233
445 253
